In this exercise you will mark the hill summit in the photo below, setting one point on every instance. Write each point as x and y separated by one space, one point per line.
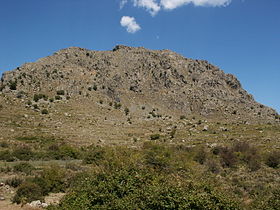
78 88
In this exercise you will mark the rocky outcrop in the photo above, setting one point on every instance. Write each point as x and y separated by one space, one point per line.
159 77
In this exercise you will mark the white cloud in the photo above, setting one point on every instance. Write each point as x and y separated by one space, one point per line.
130 24
150 5
172 4
154 6
123 2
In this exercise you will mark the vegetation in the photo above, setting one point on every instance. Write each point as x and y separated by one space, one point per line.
39 96
13 85
154 176
60 92
155 136
57 97
45 111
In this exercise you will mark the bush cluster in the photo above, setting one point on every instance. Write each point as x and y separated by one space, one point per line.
51 179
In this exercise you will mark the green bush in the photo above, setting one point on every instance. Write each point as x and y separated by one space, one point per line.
39 96
60 92
126 111
13 85
45 111
157 156
94 155
26 168
117 105
155 136
23 153
52 179
6 155
201 155
62 152
94 87
182 117
141 189
27 192
14 182
228 158
57 97
35 106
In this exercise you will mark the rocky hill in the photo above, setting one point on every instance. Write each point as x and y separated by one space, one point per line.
95 94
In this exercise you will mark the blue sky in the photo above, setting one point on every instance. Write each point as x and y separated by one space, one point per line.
242 37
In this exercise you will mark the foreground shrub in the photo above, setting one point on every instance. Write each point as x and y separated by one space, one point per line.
140 189
52 179
27 192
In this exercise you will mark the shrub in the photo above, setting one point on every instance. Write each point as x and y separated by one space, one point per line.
200 155
157 156
57 97
35 106
60 92
121 190
213 166
273 159
63 152
23 153
126 111
45 111
155 136
13 85
27 192
117 105
94 155
182 117
6 155
228 158
14 182
52 179
51 100
94 87
39 96
26 168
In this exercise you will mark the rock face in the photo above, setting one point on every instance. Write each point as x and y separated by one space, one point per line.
128 75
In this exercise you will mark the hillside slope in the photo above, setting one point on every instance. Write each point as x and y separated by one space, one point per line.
79 93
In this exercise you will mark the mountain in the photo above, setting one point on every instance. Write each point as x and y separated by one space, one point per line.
79 93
